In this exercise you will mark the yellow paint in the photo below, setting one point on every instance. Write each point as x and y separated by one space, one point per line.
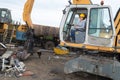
27 12
99 48
5 26
72 44
117 19
22 28
81 2
118 28
89 47
60 51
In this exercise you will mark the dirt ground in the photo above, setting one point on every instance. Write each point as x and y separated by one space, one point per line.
50 67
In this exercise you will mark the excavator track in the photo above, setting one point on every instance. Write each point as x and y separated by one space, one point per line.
96 65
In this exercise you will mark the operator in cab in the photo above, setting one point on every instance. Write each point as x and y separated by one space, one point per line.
80 29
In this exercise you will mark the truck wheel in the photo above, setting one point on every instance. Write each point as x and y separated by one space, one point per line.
49 45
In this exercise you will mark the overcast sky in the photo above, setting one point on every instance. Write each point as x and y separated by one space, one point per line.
47 12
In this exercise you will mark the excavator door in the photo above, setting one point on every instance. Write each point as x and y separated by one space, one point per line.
98 30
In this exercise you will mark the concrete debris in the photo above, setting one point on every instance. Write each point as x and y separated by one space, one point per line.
10 65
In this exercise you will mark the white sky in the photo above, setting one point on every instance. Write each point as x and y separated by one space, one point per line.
47 12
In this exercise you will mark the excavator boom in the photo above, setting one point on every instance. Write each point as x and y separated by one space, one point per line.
27 12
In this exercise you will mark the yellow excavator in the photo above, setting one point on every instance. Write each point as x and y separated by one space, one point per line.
98 42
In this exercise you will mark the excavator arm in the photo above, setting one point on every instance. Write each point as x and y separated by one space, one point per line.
27 12
30 31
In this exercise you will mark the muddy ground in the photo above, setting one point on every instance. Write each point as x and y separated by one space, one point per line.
50 67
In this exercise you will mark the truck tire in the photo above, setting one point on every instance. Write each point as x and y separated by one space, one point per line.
49 45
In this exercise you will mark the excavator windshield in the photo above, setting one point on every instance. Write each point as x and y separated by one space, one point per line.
100 24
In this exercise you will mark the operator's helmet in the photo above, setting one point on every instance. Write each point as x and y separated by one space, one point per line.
82 15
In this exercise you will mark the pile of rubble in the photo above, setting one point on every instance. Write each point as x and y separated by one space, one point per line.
10 63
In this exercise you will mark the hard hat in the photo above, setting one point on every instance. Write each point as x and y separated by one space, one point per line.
82 15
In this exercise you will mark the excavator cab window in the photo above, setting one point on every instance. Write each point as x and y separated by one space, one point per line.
69 27
100 23
101 30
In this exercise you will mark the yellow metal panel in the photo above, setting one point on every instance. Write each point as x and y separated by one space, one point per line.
109 49
89 47
60 51
99 48
118 42
81 2
72 44
117 19
118 28
22 28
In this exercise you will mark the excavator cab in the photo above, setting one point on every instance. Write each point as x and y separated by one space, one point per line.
5 16
98 30
5 20
96 41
